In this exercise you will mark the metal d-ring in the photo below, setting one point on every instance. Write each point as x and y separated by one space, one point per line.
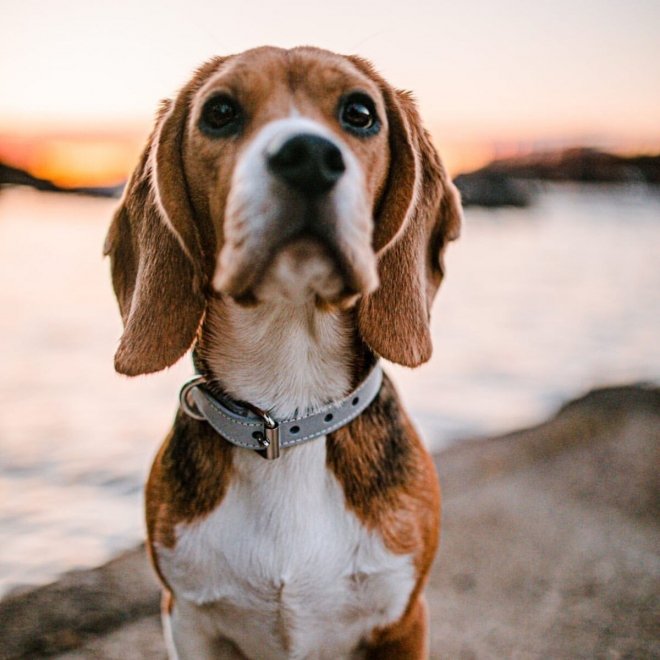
189 407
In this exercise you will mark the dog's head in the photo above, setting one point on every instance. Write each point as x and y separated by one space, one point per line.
282 174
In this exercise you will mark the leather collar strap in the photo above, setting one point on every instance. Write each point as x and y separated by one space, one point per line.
248 427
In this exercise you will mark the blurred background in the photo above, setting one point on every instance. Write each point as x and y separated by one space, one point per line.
547 114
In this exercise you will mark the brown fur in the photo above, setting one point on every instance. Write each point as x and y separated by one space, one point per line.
159 263
164 242
188 479
421 211
407 639
387 477
167 233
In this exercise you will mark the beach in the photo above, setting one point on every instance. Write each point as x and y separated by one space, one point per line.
549 549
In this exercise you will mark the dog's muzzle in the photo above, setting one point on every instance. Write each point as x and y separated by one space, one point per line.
297 213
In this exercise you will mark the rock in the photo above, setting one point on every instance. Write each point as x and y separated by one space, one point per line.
492 190
79 606
550 537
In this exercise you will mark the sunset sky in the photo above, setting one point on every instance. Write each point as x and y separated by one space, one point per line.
80 80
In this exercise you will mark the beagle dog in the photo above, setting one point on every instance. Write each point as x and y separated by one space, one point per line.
287 220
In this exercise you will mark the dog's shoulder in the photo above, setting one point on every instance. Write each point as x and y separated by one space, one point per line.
188 479
388 477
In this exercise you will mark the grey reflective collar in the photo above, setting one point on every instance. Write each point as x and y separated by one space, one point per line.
248 427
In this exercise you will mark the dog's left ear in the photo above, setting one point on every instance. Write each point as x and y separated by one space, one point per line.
156 246
418 214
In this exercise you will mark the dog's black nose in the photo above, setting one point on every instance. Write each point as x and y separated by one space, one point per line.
309 163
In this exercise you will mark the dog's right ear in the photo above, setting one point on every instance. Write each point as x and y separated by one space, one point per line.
155 249
158 286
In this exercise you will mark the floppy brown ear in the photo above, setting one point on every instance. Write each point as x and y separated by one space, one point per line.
155 250
419 213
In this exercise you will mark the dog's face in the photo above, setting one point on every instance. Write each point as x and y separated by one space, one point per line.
287 155
280 175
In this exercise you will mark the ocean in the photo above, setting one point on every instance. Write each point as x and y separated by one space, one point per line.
538 306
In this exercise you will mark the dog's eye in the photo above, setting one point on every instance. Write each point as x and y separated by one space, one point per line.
221 116
358 115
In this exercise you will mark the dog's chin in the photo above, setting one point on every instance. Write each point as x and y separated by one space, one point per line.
301 272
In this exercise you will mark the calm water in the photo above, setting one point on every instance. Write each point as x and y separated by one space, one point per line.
539 305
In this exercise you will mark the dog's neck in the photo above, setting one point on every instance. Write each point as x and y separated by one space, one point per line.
281 357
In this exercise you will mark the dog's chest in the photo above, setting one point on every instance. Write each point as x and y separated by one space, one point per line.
282 567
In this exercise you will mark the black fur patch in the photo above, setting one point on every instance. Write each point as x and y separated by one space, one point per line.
372 456
194 460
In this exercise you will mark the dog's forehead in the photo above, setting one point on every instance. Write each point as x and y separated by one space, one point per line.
276 78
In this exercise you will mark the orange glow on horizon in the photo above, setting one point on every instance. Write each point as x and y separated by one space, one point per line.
74 160
92 158
88 164
459 157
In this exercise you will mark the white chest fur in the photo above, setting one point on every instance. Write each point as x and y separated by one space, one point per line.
282 568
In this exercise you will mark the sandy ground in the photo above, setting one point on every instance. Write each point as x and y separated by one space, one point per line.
550 549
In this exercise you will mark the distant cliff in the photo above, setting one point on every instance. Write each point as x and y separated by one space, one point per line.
17 177
582 165
504 182
13 176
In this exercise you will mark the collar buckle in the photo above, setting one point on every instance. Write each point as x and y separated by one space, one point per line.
271 441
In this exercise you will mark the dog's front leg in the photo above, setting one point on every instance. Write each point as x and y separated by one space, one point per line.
188 638
406 639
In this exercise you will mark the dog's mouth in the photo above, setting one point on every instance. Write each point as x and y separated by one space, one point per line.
296 249
306 269
297 265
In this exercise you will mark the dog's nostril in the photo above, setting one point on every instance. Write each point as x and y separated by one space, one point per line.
293 155
309 163
334 160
